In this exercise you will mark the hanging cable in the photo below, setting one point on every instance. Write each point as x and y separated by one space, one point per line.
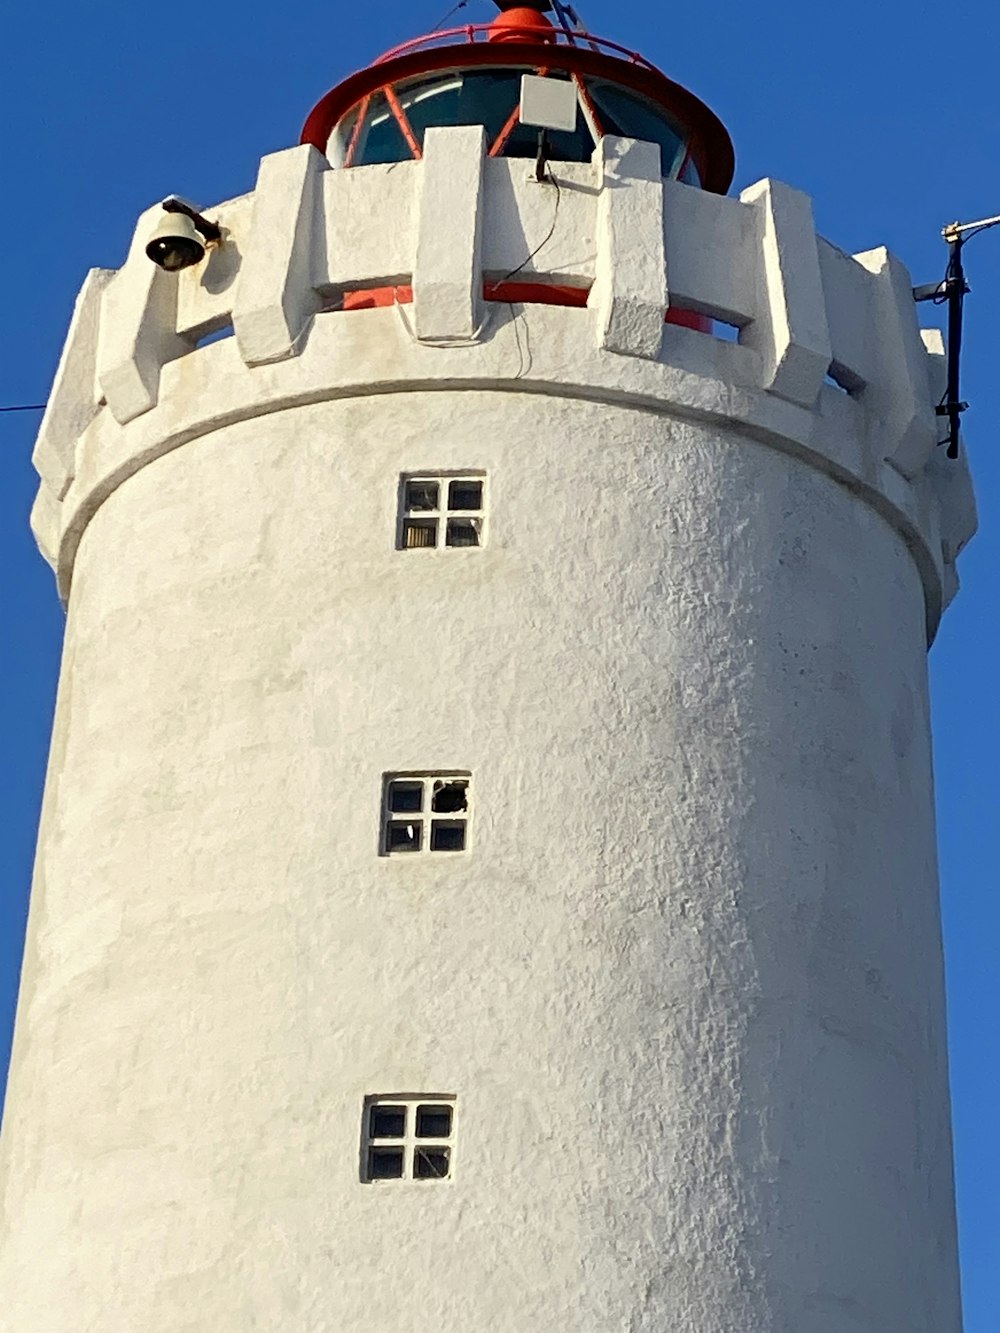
454 10
25 407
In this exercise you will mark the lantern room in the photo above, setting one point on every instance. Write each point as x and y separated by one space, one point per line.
475 75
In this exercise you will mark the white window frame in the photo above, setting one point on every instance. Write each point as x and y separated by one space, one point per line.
443 512
426 816
408 1143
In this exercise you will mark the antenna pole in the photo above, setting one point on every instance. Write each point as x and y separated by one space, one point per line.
570 22
955 289
564 21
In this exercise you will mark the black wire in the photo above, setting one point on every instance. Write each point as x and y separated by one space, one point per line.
454 10
542 244
524 360
25 407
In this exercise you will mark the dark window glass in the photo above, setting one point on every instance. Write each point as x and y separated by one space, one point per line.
622 111
465 495
447 835
450 797
430 1163
381 139
387 1122
690 175
404 837
421 495
406 797
477 97
462 532
385 1163
487 97
433 1122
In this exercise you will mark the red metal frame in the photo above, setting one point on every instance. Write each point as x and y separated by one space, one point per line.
469 48
403 120
359 125
515 293
489 32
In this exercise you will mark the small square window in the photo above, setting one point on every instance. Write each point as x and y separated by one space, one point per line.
408 796
424 1128
387 1122
420 533
431 1163
463 532
450 795
447 835
433 1122
403 837
465 495
421 496
386 1163
436 512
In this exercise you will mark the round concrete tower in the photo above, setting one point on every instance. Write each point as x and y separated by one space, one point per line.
487 872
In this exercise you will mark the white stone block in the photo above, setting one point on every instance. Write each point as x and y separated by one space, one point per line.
137 334
46 524
275 297
370 224
519 215
951 483
630 288
898 394
205 292
73 401
447 269
937 363
848 291
712 253
790 330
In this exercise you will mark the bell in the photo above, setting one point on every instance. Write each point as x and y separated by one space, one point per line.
175 243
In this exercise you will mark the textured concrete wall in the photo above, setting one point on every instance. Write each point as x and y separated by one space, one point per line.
685 983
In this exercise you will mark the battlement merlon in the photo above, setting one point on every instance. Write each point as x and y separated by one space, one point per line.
830 364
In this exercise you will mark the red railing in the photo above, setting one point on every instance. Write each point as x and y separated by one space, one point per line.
483 32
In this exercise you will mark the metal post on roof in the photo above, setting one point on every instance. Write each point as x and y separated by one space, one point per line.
569 21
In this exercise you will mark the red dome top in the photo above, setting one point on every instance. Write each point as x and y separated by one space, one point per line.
521 23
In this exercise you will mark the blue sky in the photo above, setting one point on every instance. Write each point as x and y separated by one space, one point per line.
108 106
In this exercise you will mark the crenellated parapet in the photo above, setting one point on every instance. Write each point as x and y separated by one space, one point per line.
822 356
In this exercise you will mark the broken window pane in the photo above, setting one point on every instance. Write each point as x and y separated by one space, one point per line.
450 797
406 798
420 532
421 495
448 835
387 1122
385 1163
403 837
433 1122
430 1163
465 495
462 532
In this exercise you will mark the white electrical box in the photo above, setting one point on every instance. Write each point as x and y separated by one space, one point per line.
548 104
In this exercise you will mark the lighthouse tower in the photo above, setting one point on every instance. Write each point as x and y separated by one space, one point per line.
487 872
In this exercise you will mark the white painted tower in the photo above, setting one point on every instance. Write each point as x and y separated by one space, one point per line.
487 873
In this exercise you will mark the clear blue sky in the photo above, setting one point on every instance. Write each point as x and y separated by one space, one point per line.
108 106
